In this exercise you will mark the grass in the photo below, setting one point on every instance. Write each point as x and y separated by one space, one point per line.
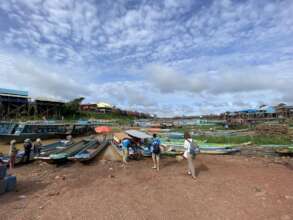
208 127
258 140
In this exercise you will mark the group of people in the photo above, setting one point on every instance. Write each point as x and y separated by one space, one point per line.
28 146
190 146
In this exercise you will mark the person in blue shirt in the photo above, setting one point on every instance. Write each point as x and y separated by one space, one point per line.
156 151
126 143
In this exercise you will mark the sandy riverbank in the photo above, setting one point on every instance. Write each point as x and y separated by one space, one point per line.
229 187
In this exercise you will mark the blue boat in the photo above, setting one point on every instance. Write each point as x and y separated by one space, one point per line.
90 152
175 135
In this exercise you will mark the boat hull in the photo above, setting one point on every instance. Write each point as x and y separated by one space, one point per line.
6 138
90 152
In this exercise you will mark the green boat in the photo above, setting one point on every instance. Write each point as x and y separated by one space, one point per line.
172 153
62 155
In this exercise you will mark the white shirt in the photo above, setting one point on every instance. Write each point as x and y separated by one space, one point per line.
187 144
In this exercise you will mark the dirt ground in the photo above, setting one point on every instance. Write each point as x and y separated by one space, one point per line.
228 187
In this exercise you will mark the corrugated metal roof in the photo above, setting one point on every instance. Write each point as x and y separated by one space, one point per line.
46 99
13 92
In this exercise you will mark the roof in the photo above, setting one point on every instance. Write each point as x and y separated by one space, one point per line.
138 134
268 109
45 99
248 111
104 105
13 92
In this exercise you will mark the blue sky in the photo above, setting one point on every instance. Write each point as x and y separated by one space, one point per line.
169 57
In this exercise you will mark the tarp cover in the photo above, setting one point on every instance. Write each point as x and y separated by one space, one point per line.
138 134
119 136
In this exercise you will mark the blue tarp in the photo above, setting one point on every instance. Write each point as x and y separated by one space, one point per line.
249 111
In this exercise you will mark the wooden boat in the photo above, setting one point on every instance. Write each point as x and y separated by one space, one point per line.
218 150
90 152
172 153
46 149
284 151
64 154
43 130
18 159
53 148
175 135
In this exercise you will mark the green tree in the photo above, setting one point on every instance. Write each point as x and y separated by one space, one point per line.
72 108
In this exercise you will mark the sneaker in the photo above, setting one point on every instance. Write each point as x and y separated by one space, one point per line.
154 167
188 173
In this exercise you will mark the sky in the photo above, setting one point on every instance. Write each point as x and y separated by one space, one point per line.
166 57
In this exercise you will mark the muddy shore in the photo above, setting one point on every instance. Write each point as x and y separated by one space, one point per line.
228 187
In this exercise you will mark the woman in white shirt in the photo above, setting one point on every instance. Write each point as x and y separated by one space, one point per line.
189 155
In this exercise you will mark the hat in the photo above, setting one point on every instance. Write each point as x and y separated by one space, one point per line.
13 142
38 140
27 140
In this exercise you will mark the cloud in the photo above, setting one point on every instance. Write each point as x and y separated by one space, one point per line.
170 57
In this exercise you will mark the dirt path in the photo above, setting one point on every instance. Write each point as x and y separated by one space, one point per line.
229 187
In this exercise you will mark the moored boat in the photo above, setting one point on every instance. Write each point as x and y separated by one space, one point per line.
284 151
43 130
64 154
90 152
218 150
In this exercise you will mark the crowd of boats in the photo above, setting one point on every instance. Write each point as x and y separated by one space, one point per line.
88 148
20 131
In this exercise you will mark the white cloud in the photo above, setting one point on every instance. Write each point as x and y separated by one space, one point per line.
152 55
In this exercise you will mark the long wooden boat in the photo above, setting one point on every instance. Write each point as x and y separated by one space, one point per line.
43 130
218 150
90 152
18 159
284 151
64 154
53 148
45 150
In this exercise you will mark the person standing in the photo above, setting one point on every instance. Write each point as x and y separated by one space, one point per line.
125 147
27 150
190 153
12 154
38 146
156 151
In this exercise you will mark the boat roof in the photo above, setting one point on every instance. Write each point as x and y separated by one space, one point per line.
138 134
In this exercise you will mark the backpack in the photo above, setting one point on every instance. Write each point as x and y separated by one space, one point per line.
156 147
194 149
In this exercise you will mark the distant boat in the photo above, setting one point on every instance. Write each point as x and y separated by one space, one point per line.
175 135
43 130
218 150
90 152
286 151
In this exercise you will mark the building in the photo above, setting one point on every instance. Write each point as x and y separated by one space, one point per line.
284 111
13 103
101 107
47 107
16 103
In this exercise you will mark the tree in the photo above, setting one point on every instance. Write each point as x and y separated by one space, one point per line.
73 107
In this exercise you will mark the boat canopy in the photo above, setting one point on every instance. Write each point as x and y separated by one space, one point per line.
138 134
119 136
